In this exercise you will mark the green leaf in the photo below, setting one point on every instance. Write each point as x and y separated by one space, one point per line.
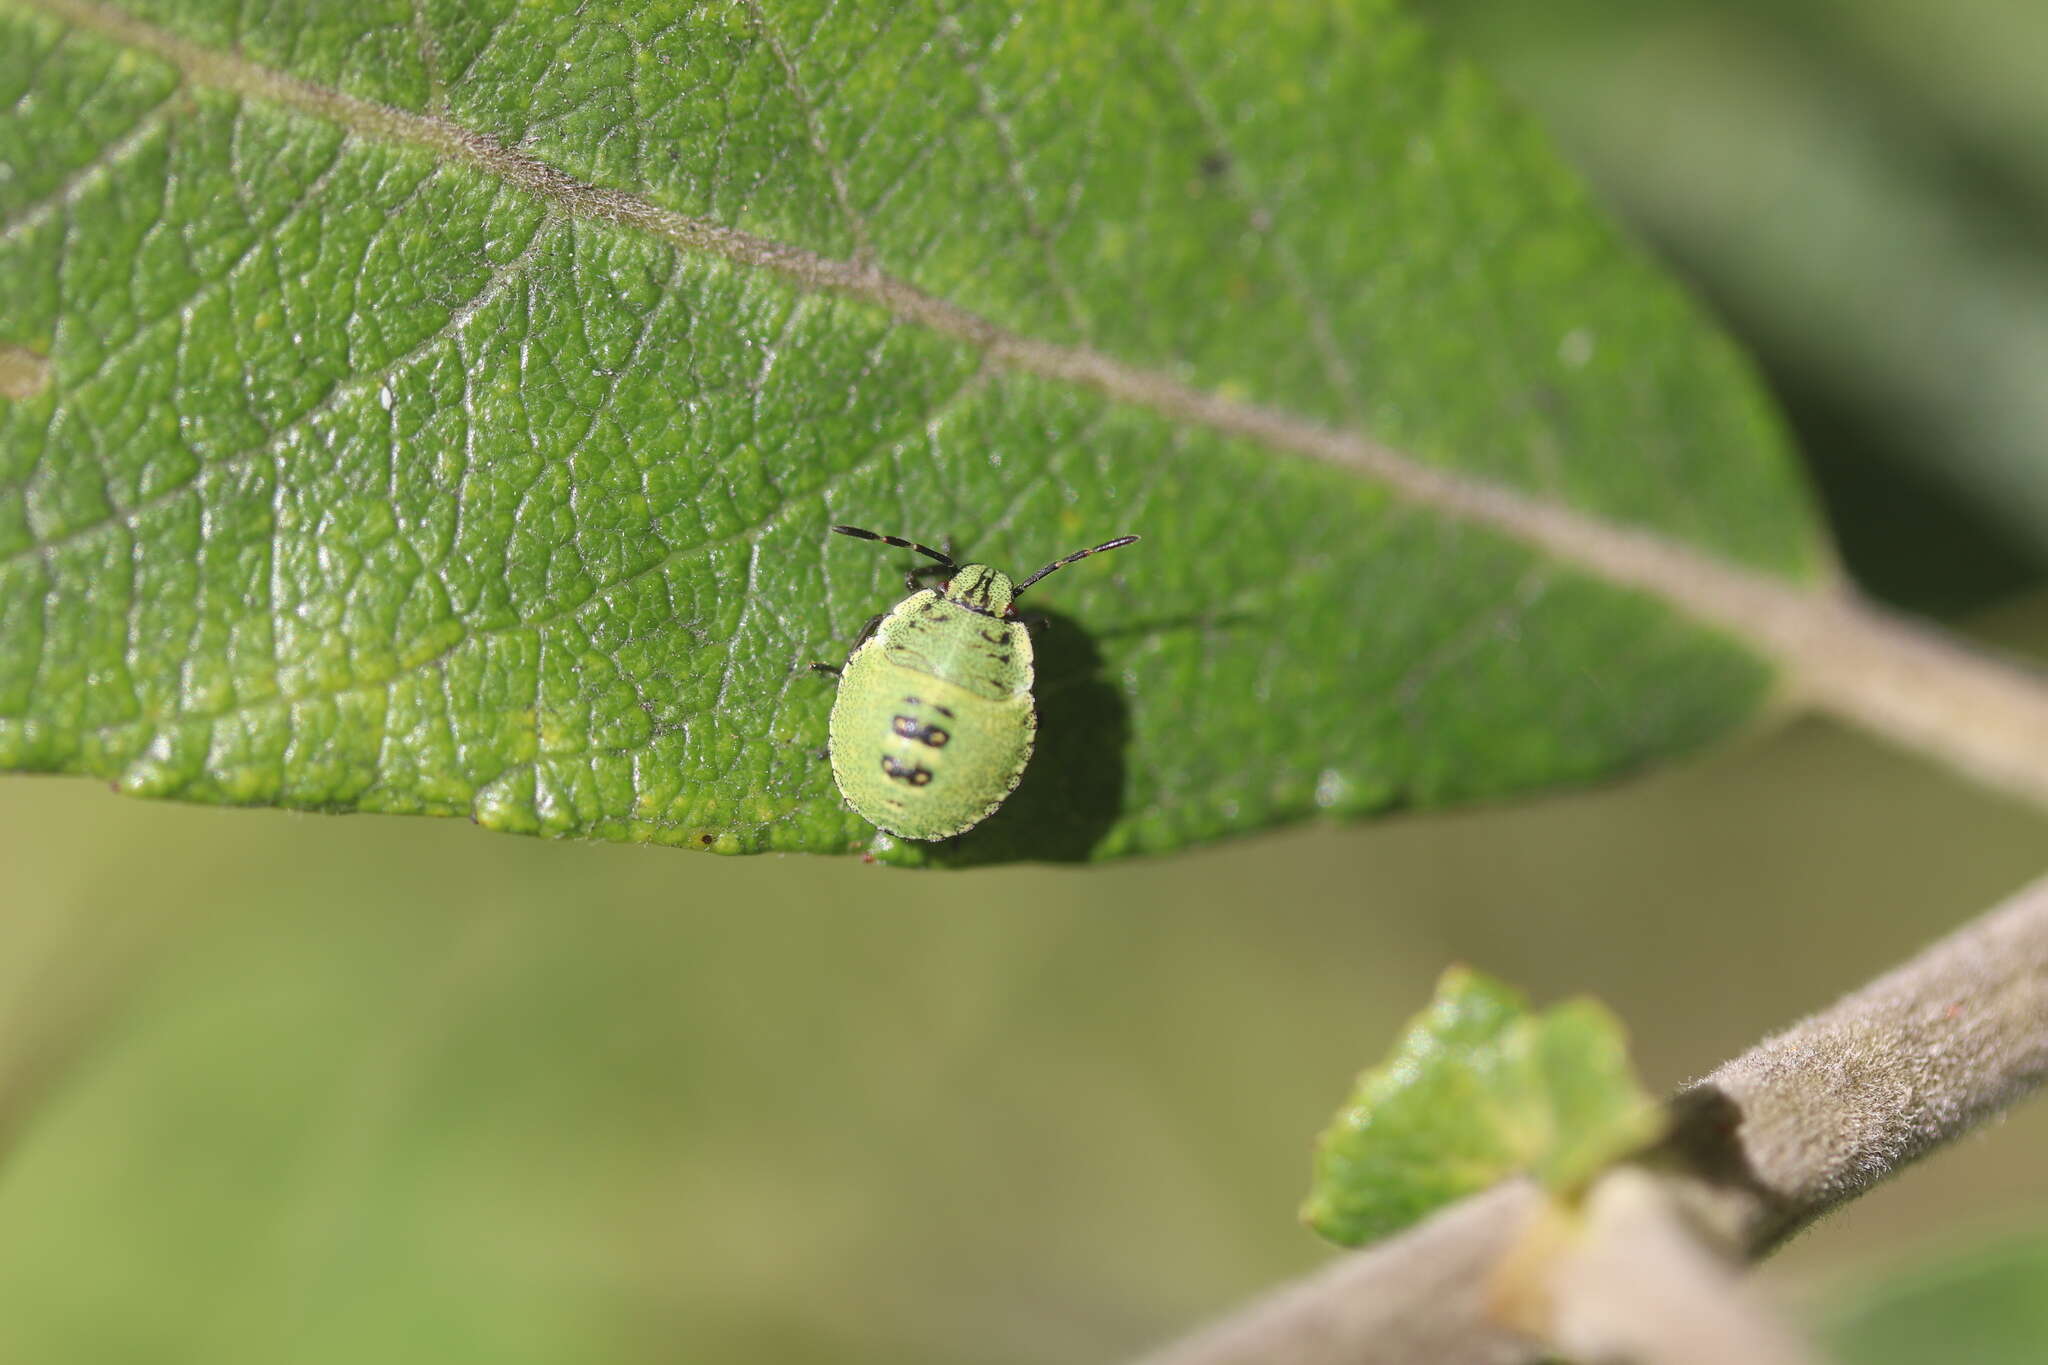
1987 1305
442 406
1477 1090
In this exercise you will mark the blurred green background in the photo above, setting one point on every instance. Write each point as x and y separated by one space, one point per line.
322 1089
309 1089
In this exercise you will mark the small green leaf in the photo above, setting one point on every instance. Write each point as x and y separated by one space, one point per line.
1478 1089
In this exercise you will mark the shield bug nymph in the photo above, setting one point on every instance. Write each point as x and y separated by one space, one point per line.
933 722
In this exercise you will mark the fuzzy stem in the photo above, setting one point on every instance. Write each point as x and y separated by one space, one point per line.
1800 1123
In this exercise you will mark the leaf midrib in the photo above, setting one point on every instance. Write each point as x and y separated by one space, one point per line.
1835 651
1707 588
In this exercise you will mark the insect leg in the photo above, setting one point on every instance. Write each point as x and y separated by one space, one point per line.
866 633
914 580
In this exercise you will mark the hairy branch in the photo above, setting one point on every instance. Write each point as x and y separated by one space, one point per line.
1422 1296
1841 1100
1802 1122
1639 1284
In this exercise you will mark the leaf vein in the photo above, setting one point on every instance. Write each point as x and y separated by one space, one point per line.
856 223
343 390
1770 612
117 149
1322 334
991 112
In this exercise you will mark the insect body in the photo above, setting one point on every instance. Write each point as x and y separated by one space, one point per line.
933 723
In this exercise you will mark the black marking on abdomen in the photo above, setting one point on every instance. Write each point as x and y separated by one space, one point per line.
945 711
911 728
915 774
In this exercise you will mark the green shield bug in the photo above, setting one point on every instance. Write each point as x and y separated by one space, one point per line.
933 722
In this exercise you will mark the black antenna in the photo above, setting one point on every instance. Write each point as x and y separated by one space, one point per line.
900 543
1018 591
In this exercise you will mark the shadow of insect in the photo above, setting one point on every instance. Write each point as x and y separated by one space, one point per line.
1073 788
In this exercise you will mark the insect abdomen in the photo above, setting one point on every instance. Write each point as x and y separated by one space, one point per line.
922 757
